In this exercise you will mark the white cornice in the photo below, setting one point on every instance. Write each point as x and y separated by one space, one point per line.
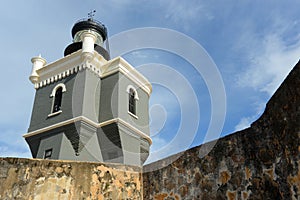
74 62
118 64
65 67
97 125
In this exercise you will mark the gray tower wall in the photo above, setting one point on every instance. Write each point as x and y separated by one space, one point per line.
142 105
86 95
72 142
131 146
114 102
99 100
43 105
110 142
53 142
82 98
108 101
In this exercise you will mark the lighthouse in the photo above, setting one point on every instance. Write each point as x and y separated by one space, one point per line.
88 106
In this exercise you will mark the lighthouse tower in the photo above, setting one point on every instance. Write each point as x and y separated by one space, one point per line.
87 106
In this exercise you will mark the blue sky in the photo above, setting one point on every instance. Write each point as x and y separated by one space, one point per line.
253 44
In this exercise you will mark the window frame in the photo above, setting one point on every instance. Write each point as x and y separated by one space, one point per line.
132 100
57 100
46 152
53 95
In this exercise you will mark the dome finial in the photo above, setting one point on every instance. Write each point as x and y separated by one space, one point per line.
91 14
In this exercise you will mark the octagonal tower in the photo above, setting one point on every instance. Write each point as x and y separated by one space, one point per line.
87 106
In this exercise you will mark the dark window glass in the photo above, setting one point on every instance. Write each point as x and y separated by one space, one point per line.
57 100
132 106
48 154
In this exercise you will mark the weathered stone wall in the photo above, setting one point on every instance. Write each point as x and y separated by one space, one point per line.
261 162
58 180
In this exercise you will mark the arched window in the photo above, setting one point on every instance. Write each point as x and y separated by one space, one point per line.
57 100
132 103
132 99
57 95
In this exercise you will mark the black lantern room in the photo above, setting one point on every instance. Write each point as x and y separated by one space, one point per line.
96 27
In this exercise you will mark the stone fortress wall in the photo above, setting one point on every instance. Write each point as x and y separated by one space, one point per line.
35 179
260 162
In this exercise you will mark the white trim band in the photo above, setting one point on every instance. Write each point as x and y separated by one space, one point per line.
97 125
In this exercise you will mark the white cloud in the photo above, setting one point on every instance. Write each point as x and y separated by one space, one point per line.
183 12
158 117
12 144
245 122
173 104
271 56
268 52
11 152
267 71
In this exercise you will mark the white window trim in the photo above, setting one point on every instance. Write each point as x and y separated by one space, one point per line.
133 115
52 95
136 96
55 113
56 87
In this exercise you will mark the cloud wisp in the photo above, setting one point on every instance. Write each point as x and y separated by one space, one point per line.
270 54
